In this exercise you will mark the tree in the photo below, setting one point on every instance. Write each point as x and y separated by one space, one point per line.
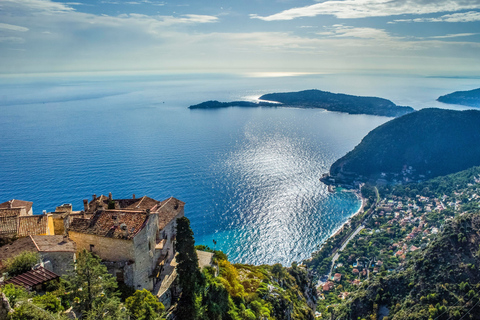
190 278
22 263
90 283
144 305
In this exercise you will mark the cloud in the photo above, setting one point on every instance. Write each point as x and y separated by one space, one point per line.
37 6
470 16
12 27
340 31
12 39
349 9
456 35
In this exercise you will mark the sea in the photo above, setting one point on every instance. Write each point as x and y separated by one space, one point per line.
249 176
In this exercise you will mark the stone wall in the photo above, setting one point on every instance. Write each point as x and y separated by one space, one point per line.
62 262
144 248
110 249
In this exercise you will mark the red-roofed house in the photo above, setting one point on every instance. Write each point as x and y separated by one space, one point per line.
17 220
135 239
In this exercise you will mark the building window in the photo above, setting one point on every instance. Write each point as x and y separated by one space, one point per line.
91 247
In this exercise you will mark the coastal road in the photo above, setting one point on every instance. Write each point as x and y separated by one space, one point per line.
352 235
337 254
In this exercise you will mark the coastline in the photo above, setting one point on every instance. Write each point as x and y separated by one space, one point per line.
360 210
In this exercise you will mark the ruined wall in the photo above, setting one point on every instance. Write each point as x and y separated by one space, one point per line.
106 248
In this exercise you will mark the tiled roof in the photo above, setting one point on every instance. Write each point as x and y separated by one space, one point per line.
144 203
30 225
32 278
53 244
169 209
17 204
111 223
8 226
13 212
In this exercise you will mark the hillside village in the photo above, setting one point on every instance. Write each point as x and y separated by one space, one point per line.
147 267
401 221
135 238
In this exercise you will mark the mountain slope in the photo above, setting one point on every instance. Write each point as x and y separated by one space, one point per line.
433 141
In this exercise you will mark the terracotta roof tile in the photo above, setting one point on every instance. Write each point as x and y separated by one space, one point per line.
32 278
8 226
168 210
111 224
14 212
17 204
30 225
144 203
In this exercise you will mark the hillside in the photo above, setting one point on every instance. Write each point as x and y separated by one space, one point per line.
416 258
423 144
440 282
257 292
469 98
318 99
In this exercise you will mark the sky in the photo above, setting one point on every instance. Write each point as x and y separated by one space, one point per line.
423 37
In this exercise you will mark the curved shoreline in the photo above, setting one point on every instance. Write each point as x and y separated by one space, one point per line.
360 210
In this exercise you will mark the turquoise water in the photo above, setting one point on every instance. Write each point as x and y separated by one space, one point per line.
249 176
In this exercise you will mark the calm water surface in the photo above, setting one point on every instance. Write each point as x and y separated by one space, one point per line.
249 176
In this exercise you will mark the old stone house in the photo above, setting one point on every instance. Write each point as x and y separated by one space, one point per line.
17 220
134 237
57 253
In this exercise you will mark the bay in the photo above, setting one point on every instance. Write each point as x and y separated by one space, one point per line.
249 176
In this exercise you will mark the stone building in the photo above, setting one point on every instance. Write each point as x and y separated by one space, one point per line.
134 237
57 253
17 220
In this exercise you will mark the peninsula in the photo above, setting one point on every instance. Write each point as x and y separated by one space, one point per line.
469 98
421 145
318 99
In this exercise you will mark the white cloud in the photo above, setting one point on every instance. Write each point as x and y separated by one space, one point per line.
456 35
470 16
38 6
12 39
348 9
340 31
12 27
68 40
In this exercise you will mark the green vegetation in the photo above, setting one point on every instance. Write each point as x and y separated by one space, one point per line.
90 285
417 257
143 305
21 263
318 99
256 292
423 144
242 291
467 98
190 277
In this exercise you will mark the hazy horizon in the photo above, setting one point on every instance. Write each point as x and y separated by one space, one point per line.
359 36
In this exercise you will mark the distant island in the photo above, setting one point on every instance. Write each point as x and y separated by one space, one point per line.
417 146
318 99
469 98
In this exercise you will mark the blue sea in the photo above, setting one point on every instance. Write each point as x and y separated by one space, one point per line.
249 176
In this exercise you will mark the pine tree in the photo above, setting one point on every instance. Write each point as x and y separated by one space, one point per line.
90 283
190 278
